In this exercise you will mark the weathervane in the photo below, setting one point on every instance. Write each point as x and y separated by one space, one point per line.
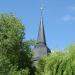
42 7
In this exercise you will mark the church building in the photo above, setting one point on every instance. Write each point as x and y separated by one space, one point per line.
40 49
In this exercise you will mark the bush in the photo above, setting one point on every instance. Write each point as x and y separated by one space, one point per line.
58 63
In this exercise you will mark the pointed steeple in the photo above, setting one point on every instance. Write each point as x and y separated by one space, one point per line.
41 33
40 49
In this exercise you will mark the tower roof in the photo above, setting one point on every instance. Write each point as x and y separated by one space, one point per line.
41 33
40 49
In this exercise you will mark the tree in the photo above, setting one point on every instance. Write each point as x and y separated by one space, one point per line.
5 65
11 32
13 45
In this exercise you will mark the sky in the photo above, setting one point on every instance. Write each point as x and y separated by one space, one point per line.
59 19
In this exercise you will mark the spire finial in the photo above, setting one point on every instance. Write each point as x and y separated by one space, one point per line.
42 7
41 34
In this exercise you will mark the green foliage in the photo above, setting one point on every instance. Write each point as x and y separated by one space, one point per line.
58 63
4 65
15 51
6 68
13 71
12 33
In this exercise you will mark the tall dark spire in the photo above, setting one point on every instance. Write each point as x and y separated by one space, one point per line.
40 49
41 33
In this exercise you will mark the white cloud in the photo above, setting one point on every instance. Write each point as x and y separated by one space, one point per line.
68 18
71 16
71 8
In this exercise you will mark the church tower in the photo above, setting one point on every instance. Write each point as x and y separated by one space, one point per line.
40 49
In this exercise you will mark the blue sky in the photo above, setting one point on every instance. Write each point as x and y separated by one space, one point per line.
59 19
